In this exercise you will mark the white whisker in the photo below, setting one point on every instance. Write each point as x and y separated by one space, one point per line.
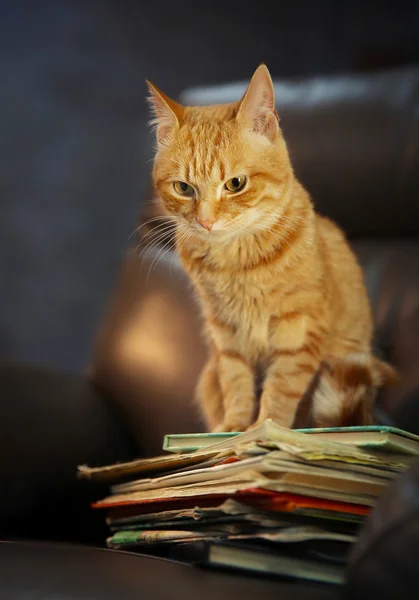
156 238
159 229
151 220
154 243
161 254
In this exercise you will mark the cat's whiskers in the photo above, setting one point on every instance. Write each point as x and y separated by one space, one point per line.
159 228
291 222
155 236
148 222
276 217
267 221
165 248
290 227
164 237
152 219
162 253
184 238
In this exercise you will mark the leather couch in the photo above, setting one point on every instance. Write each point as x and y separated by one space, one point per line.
354 141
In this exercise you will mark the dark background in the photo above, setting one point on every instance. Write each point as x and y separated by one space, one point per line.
74 145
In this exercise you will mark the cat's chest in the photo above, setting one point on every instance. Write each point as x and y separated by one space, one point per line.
246 308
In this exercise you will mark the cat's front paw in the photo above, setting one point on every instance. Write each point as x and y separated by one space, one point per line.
231 427
218 428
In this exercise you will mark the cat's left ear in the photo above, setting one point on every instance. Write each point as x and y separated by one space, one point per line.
167 114
257 108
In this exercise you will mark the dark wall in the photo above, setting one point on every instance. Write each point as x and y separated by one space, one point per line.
74 146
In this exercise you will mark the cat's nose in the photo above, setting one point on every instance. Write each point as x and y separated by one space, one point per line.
207 223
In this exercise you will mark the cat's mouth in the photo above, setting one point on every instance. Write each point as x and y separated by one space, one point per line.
212 233
220 229
223 233
210 228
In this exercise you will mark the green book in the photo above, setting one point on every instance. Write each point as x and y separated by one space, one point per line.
262 560
191 442
380 437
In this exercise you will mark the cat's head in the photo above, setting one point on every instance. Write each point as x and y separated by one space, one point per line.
222 169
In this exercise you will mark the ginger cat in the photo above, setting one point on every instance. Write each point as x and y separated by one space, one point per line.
282 294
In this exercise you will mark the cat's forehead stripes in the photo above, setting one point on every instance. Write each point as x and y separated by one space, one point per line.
204 152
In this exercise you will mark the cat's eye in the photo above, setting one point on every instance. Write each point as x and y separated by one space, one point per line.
235 184
183 188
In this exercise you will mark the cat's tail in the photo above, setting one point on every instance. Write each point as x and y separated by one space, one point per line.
347 388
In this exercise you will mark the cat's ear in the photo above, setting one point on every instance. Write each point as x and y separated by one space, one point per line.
257 109
167 114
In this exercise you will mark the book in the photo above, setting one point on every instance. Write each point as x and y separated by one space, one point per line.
235 517
275 466
285 461
252 498
191 442
259 501
389 439
266 472
261 440
136 468
139 537
375 436
261 560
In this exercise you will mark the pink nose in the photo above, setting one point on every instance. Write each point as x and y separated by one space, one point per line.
207 223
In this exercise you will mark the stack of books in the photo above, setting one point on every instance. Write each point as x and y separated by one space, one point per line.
270 500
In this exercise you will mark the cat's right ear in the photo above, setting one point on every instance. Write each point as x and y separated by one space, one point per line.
167 114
